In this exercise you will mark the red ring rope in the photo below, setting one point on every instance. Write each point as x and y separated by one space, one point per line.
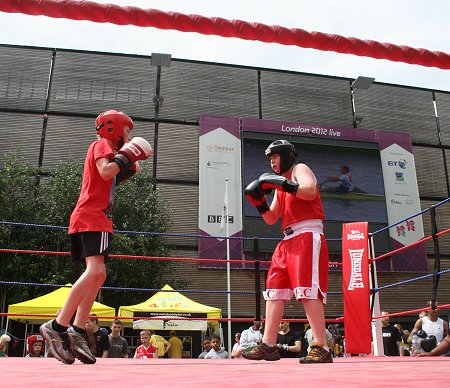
115 14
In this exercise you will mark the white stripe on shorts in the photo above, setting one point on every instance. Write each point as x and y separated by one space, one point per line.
104 242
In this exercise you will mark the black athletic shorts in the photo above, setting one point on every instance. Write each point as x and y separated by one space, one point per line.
85 244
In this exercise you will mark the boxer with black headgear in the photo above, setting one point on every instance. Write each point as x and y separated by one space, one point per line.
300 262
286 151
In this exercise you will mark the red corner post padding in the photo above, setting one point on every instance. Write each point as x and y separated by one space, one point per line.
355 274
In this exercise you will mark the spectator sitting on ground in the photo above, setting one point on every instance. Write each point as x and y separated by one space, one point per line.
289 341
310 339
216 352
5 339
147 349
236 352
338 348
432 325
251 336
35 346
206 347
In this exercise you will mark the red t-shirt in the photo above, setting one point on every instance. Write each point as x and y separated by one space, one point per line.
146 353
96 196
294 209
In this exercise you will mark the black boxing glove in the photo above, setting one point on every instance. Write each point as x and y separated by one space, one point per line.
256 197
421 333
428 344
271 181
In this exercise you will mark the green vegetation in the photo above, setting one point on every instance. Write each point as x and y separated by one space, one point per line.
32 197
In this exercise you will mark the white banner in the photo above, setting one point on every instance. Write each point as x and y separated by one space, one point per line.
402 194
166 323
220 159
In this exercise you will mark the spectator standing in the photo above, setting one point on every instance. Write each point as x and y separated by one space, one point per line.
160 342
392 340
118 346
176 346
97 338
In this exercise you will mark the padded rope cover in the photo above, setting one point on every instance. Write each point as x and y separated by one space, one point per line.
115 14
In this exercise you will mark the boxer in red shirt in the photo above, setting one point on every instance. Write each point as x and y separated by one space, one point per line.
300 262
91 230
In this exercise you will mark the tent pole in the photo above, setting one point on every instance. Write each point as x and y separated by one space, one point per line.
228 272
25 339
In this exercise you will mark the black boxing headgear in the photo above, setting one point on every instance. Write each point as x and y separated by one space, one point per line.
286 151
110 125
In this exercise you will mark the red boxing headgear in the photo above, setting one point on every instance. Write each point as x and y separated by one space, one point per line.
32 339
110 124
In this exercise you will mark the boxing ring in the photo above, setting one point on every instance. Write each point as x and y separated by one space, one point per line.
357 369
344 371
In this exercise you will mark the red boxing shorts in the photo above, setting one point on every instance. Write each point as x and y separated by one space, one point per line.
299 264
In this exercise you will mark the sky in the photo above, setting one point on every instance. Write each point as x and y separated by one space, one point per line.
413 23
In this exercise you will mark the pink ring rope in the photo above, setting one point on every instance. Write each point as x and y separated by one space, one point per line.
115 14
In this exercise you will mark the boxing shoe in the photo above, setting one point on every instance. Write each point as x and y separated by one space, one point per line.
262 352
58 343
80 347
317 355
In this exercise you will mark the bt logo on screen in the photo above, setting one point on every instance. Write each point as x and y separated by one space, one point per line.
402 163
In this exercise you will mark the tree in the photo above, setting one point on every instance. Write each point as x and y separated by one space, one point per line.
29 196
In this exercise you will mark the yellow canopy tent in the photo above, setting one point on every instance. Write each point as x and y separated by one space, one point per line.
167 304
49 304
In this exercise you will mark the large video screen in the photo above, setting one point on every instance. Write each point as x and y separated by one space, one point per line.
364 202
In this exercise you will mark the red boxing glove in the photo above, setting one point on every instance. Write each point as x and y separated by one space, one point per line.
137 149
256 197
271 181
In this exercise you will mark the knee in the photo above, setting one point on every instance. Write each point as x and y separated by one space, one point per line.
97 274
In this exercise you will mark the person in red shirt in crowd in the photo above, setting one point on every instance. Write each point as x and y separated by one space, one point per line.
300 262
147 349
91 229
